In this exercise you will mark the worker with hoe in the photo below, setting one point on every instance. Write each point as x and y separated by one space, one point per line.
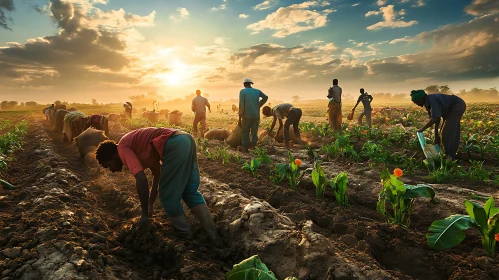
366 100
249 112
450 108
199 104
281 111
334 106
176 178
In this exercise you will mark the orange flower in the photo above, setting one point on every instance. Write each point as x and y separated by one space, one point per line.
497 237
298 162
397 172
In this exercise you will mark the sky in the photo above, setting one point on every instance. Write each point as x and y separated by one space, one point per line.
76 50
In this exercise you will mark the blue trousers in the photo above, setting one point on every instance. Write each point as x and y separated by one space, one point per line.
179 178
247 125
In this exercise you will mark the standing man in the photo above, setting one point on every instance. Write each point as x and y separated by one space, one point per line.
334 107
448 107
366 100
199 104
281 111
249 112
176 178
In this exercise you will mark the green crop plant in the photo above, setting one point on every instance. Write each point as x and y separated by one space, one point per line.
339 185
291 170
251 167
400 198
478 172
450 231
262 155
223 153
319 180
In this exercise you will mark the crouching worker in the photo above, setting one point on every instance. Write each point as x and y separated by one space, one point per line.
176 178
448 107
292 115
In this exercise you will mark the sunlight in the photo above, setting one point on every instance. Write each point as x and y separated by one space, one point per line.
177 74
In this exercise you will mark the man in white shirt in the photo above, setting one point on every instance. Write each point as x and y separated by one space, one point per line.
199 104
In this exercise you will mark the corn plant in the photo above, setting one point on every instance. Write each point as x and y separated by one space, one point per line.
319 180
251 167
400 198
450 231
291 170
339 185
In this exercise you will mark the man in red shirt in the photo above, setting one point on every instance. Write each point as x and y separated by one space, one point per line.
177 176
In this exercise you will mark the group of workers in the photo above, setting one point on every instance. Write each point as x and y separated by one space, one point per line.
171 155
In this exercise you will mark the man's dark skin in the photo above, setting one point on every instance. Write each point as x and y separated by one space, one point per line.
433 121
142 185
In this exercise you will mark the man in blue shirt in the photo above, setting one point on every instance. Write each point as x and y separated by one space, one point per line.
448 107
249 112
366 100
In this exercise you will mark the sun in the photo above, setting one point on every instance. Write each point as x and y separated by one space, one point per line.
177 74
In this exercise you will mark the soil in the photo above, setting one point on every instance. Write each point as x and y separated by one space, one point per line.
71 220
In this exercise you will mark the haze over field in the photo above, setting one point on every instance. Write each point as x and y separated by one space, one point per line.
77 50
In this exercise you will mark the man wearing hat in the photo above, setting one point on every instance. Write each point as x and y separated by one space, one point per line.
249 112
448 107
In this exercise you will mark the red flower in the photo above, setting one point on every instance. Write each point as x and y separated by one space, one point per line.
398 172
497 237
298 162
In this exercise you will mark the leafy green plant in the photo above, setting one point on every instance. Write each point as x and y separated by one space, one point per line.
477 172
400 198
291 170
262 155
319 180
449 232
339 185
251 167
223 153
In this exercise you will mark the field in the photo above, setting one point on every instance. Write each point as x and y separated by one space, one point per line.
69 220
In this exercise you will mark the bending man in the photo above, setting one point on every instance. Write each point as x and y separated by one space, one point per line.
366 100
448 107
281 111
177 176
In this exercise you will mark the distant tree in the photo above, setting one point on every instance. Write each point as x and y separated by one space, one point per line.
22 104
57 103
13 104
295 98
94 102
4 104
432 89
444 89
31 103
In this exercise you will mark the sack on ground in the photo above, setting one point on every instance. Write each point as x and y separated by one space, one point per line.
235 139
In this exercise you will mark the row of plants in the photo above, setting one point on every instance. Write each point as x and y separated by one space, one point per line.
10 141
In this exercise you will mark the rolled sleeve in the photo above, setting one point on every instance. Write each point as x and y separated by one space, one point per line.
130 160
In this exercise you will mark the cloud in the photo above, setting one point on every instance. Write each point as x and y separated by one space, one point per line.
419 3
91 48
482 7
381 2
183 14
355 5
389 18
399 40
265 5
5 6
293 19
103 2
243 16
221 7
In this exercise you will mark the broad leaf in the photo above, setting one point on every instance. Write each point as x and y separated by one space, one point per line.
449 232
419 191
397 184
490 208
